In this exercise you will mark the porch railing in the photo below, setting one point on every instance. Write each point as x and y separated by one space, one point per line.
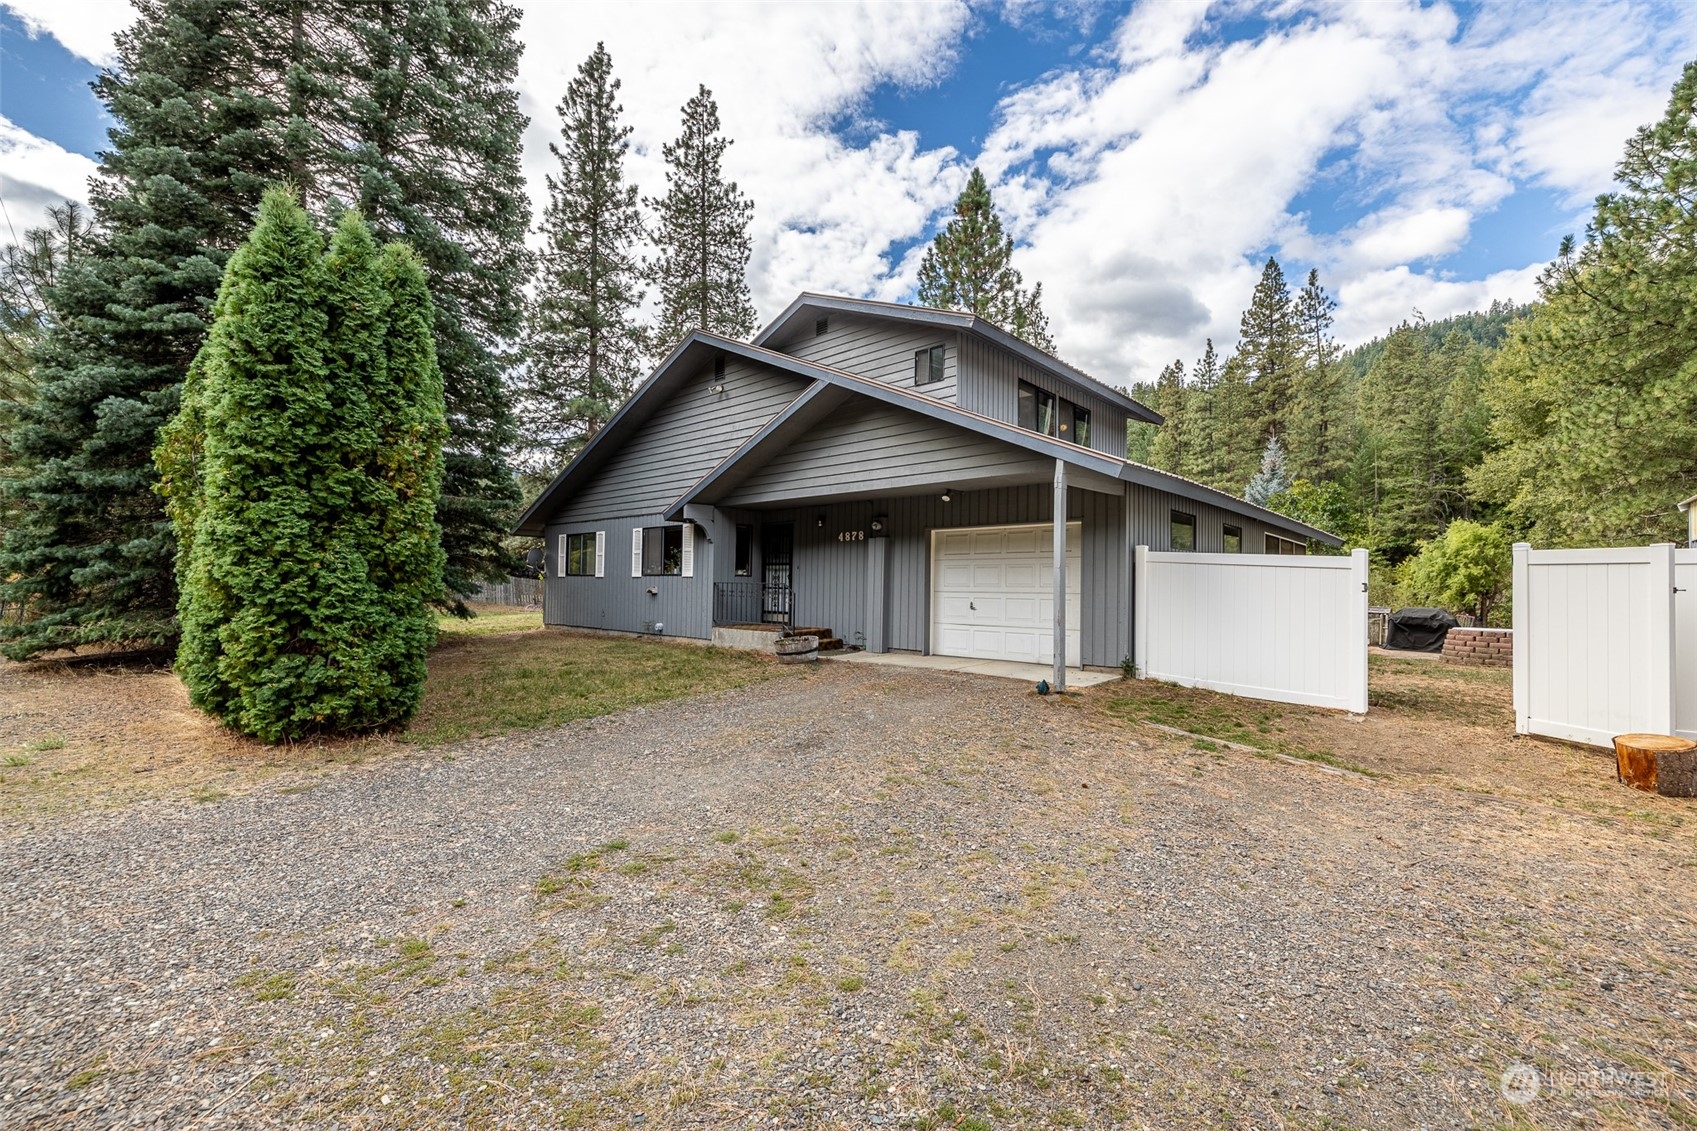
750 602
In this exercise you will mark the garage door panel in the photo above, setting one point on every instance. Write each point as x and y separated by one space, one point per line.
954 575
956 609
1022 542
955 543
1023 611
1024 646
994 596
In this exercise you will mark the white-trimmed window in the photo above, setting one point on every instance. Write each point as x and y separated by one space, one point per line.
928 365
665 551
1277 545
577 554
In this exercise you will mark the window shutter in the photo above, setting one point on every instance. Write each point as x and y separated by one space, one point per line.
560 562
689 550
636 552
600 553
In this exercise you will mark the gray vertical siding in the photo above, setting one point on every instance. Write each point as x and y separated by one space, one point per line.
1151 522
831 576
867 446
878 349
621 602
834 582
685 439
989 386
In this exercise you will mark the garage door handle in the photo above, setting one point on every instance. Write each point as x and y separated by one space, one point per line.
972 606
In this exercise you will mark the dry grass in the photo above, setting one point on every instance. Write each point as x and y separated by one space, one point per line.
95 733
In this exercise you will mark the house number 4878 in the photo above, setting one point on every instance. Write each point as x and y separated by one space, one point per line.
851 536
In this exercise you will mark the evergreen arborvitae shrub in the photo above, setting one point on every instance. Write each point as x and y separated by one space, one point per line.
301 475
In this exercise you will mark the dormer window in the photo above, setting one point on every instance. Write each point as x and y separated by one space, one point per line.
928 366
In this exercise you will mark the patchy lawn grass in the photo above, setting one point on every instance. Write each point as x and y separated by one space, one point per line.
492 684
490 620
92 734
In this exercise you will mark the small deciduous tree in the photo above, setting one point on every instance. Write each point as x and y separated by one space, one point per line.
301 476
1466 569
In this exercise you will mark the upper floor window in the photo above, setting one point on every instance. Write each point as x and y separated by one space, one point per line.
1232 538
928 365
1183 539
1080 427
1277 545
1036 409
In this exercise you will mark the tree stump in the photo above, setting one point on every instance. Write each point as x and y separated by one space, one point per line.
1676 773
1641 760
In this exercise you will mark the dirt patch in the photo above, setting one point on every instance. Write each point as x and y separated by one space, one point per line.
98 732
1427 724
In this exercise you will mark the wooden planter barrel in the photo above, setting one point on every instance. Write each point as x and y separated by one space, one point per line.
796 649
1657 763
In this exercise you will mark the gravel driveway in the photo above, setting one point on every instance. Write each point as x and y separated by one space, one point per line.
858 897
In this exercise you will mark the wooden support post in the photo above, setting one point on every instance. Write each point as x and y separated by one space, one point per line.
1059 682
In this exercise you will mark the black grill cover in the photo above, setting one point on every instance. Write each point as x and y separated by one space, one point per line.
1419 630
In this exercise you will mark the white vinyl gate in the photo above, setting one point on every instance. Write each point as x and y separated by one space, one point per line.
1605 642
1286 628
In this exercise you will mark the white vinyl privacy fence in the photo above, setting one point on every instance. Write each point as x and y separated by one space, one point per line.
1287 628
1605 642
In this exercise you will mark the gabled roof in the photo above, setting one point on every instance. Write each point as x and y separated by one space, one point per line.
699 347
954 320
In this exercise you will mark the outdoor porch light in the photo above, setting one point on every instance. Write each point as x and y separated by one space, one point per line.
947 491
820 521
877 524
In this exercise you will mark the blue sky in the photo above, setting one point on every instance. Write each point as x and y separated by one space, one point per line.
1148 157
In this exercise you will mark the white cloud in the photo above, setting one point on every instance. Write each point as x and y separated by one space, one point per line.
1147 180
85 27
826 211
1149 186
35 174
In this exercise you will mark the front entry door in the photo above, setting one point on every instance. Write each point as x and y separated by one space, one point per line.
777 548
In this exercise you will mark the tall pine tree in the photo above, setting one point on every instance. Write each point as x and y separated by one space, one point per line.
301 475
1269 350
1317 424
969 267
423 91
583 343
702 235
1170 450
196 139
1596 394
404 110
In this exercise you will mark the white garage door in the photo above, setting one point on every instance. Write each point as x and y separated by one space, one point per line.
993 593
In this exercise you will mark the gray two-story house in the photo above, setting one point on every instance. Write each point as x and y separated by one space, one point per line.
887 472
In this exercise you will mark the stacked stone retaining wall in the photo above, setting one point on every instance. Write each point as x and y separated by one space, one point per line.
1480 647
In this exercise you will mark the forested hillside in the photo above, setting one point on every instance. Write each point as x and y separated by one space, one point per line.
1569 421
